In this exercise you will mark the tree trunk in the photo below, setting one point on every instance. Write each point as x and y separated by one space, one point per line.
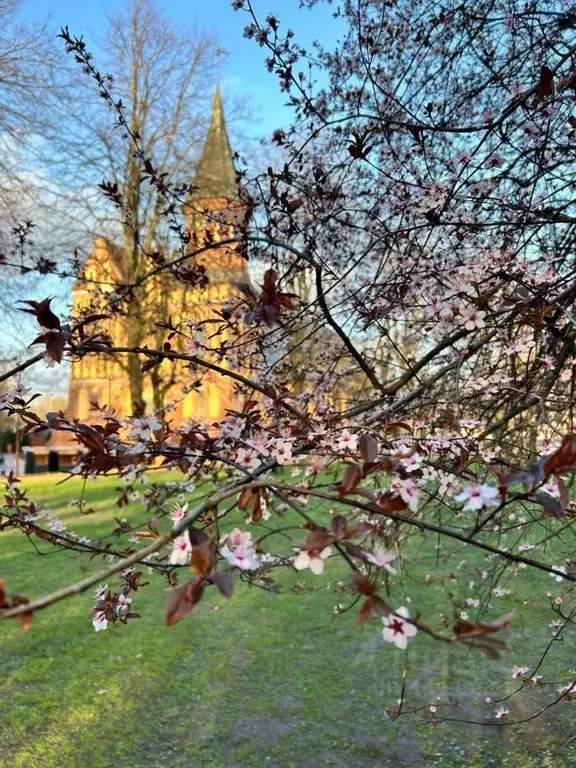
134 366
158 390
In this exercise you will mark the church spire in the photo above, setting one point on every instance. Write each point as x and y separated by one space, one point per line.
215 173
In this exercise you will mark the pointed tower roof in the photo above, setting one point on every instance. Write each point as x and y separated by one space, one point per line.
215 175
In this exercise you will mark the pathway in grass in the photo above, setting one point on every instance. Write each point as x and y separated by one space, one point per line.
259 680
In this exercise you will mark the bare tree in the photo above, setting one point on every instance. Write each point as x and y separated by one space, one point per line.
30 84
164 76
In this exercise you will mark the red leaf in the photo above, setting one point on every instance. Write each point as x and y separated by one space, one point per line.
352 476
317 540
203 554
269 284
464 629
368 447
251 500
362 585
13 601
551 505
545 85
365 611
390 502
564 459
224 582
182 600
43 314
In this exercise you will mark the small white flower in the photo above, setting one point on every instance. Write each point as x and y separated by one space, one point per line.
396 629
525 547
559 572
181 549
412 463
100 591
99 621
519 672
409 493
312 559
477 496
567 691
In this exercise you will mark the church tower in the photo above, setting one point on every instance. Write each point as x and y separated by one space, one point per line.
213 213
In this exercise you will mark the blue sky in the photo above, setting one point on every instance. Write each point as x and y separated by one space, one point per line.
243 71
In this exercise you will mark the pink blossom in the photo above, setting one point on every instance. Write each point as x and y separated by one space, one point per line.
315 466
260 443
347 441
412 463
494 161
472 319
196 344
242 557
282 451
567 691
409 493
178 512
447 484
381 558
239 538
247 458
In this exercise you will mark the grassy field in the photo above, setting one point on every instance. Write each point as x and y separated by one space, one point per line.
261 679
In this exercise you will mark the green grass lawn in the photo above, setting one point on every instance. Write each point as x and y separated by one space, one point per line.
262 679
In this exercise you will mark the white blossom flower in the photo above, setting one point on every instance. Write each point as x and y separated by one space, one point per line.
100 591
477 496
567 691
143 426
99 621
519 672
396 629
525 547
181 550
409 493
242 557
559 571
412 463
313 559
